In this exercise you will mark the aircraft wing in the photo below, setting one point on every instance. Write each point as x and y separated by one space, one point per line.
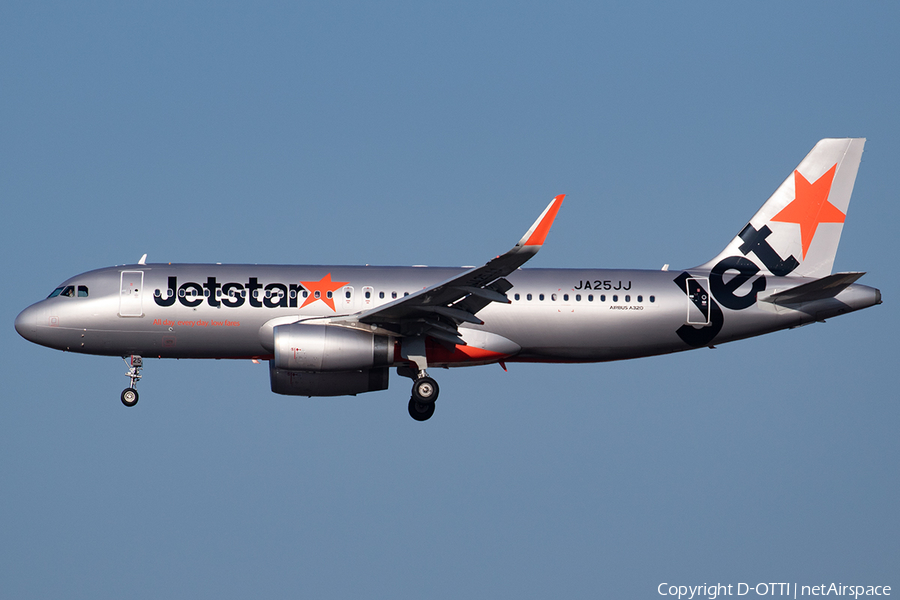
437 310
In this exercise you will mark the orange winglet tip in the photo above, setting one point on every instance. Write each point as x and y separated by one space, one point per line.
540 232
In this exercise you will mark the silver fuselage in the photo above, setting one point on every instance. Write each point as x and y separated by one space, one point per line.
555 315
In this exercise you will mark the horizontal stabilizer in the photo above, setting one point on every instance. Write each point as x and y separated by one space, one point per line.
826 287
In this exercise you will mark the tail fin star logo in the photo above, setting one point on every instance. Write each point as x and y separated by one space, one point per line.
811 207
322 290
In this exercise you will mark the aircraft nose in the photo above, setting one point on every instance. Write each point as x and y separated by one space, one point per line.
26 323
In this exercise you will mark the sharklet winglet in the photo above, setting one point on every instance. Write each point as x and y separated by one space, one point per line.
536 235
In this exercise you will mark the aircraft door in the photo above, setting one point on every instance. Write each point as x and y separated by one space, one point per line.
697 300
131 289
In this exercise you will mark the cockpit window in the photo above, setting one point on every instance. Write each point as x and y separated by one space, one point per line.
69 291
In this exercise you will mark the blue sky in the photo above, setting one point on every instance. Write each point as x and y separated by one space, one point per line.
416 133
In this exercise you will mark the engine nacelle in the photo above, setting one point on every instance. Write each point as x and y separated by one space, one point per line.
303 347
338 383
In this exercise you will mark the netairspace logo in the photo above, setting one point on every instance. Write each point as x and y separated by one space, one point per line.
794 590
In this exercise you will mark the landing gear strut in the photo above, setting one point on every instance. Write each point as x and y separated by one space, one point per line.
129 394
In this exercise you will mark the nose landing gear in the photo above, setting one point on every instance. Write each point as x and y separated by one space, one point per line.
129 394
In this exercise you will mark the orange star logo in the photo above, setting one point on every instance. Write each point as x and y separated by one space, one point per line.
811 206
322 290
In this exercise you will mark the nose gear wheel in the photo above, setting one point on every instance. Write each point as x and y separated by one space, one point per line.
129 396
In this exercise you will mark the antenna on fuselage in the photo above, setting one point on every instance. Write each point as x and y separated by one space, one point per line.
143 260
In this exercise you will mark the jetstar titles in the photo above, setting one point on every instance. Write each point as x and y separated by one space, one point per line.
231 294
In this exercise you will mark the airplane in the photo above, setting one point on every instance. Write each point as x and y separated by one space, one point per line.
338 330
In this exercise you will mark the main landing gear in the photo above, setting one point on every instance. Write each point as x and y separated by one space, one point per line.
424 392
129 394
420 411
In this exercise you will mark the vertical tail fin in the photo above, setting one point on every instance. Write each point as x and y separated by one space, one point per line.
797 230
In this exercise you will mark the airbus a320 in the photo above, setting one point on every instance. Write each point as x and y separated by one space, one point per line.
338 330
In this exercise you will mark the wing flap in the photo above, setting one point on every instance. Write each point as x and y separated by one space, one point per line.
485 292
460 316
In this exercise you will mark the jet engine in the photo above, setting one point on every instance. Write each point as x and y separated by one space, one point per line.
326 360
304 347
